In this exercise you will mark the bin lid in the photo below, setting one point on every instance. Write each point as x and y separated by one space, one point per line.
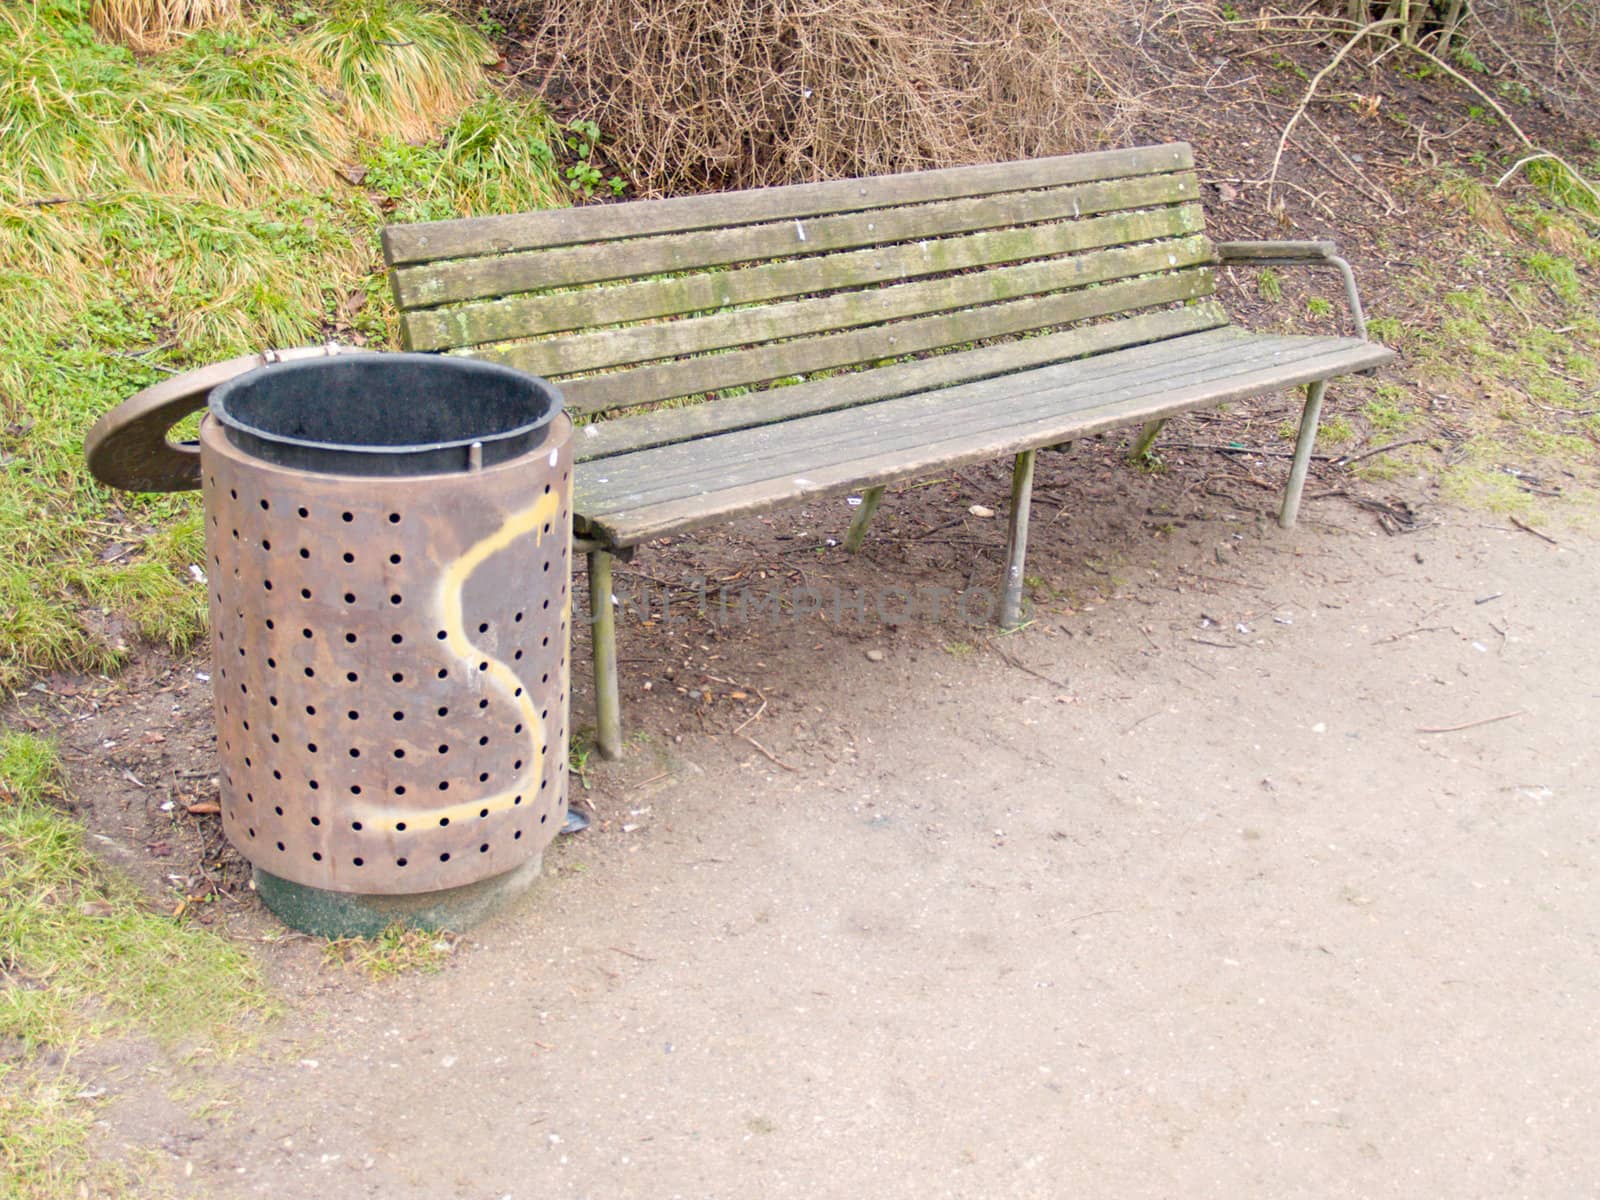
128 446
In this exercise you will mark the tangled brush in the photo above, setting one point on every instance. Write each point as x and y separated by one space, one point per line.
712 94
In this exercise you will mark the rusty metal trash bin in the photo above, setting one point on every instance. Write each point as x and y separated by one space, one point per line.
388 542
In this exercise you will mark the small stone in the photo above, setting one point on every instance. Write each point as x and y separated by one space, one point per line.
874 655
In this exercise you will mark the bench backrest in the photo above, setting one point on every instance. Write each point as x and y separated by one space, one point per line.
635 303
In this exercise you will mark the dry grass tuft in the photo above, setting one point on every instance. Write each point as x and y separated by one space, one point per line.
707 94
146 25
401 67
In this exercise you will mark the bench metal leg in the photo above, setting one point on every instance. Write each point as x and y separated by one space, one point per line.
1302 453
603 633
1017 538
858 524
1140 454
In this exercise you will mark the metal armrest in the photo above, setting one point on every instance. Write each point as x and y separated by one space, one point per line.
1298 254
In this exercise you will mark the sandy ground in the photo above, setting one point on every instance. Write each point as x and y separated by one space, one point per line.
1173 894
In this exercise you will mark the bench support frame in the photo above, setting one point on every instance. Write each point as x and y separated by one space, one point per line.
603 632
857 532
1017 538
1139 456
1302 453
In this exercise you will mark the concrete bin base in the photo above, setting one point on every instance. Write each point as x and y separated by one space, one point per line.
330 914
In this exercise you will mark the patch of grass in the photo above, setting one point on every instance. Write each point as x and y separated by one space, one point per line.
1316 306
1269 284
401 67
1387 410
1385 468
1560 186
1473 302
1336 431
82 952
152 24
496 157
1557 447
47 1120
1385 329
163 211
1559 273
1475 199
1484 486
399 949
579 747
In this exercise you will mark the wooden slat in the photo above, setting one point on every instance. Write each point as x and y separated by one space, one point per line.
586 352
622 435
600 261
772 451
934 452
594 308
1273 251
646 385
437 240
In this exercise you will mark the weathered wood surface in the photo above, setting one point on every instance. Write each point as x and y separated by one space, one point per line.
681 467
643 431
871 344
500 275
752 470
593 308
433 241
1275 251
876 307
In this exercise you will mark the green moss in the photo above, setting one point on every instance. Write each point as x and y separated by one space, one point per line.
1385 329
1559 273
1482 487
1336 431
1388 409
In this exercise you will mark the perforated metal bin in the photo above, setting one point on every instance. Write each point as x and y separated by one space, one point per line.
389 546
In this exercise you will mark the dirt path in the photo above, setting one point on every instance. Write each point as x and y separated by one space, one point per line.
1210 914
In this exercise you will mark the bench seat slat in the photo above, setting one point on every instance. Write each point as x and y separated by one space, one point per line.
432 241
1065 386
595 308
899 438
665 381
492 276
584 352
643 431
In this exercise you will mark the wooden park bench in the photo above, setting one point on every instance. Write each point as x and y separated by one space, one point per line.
741 351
